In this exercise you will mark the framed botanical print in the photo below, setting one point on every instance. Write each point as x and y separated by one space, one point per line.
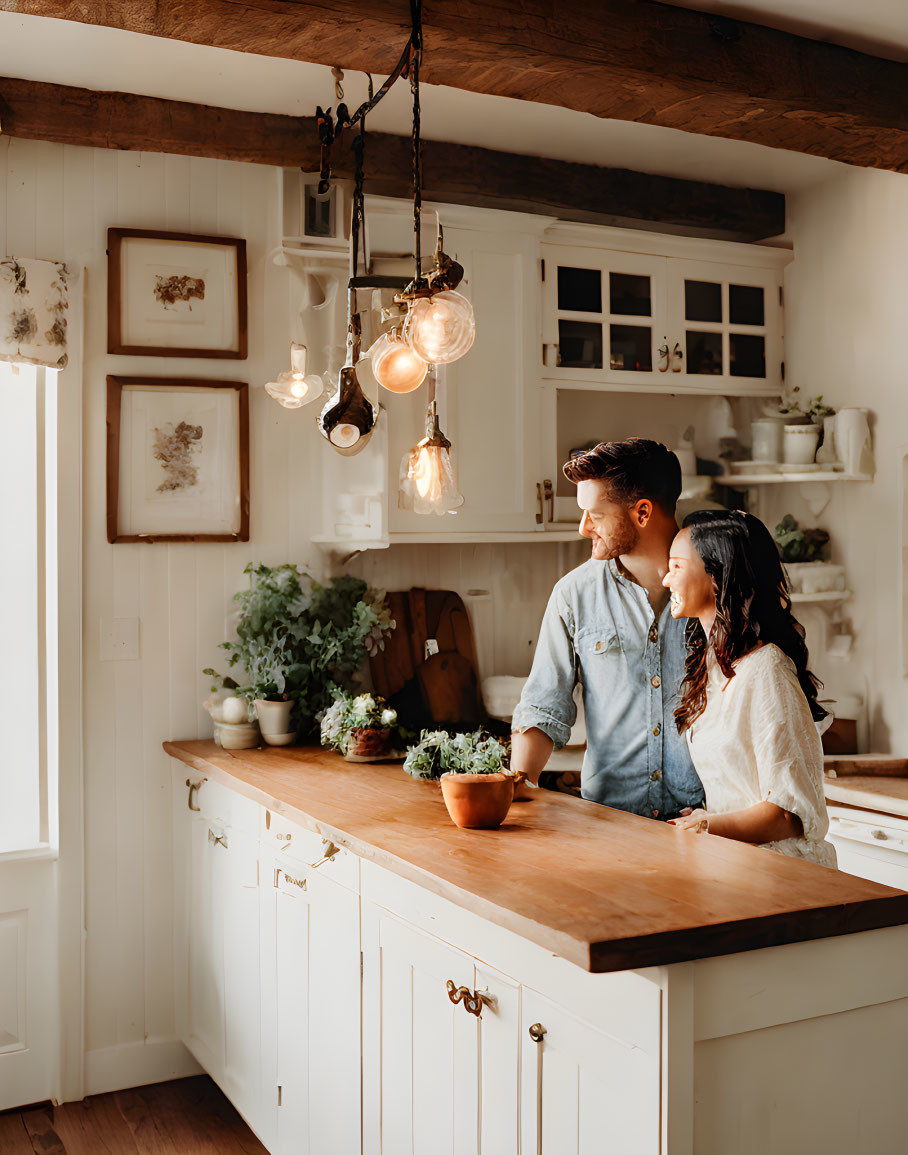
177 460
176 294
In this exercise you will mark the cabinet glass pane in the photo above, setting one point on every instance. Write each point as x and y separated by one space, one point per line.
702 301
579 290
746 355
631 348
745 304
580 344
630 295
704 353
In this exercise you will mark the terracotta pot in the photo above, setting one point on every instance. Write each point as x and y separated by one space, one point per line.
368 743
477 801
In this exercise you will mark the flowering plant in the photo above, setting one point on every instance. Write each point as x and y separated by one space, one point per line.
439 752
365 712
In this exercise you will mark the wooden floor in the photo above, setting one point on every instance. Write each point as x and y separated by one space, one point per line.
185 1117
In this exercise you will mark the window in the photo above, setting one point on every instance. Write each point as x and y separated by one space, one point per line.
28 532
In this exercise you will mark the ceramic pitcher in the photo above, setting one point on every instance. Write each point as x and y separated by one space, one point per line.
852 439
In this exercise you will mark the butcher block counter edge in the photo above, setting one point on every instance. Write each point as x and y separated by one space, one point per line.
662 922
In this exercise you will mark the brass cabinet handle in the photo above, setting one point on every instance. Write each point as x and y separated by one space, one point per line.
217 839
193 794
473 1001
537 1034
330 851
540 508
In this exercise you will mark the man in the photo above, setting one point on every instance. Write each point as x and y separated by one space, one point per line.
608 626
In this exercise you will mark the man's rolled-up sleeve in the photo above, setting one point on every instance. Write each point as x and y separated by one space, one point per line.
547 701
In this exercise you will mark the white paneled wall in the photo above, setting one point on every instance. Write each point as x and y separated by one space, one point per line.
57 202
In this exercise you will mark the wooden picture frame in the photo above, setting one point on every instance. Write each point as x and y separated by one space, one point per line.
176 294
165 480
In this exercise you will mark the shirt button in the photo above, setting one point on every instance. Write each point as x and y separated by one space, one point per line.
654 634
655 776
599 645
656 681
657 729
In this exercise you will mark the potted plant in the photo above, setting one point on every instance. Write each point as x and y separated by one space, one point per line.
476 781
362 728
804 553
300 642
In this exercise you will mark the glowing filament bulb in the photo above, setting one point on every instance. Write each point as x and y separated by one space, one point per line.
440 329
395 365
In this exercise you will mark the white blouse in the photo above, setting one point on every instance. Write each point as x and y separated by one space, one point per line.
756 741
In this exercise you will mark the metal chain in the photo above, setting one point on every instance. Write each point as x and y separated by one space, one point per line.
416 45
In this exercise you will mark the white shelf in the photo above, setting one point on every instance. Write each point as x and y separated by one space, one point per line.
451 538
742 480
826 597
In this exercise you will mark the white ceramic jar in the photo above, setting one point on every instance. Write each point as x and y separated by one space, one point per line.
766 439
799 444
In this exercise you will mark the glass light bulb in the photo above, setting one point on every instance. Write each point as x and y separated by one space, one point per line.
287 391
299 388
395 365
427 481
440 329
344 435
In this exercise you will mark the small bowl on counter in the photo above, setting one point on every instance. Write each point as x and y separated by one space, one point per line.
237 735
478 801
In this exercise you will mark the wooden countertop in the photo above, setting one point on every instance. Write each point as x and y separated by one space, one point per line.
887 795
604 889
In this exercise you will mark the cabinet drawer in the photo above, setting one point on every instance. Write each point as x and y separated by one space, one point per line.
219 803
291 843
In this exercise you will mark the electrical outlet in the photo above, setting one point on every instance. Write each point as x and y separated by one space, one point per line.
119 639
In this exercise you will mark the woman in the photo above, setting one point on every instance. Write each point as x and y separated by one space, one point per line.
749 703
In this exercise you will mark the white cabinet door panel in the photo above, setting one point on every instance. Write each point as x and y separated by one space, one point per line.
499 1062
205 1005
592 1093
421 1070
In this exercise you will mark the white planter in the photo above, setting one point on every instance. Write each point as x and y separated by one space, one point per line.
799 444
815 577
274 718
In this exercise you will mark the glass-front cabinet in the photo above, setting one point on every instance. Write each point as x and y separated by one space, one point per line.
662 323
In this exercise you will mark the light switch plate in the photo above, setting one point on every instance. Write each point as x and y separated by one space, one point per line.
119 639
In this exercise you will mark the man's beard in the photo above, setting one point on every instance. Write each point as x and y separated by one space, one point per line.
621 541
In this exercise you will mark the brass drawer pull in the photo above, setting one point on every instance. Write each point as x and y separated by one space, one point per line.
330 852
473 1001
193 799
217 839
537 1032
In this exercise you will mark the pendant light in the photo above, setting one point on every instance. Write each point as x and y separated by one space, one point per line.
348 419
296 388
440 328
428 484
394 364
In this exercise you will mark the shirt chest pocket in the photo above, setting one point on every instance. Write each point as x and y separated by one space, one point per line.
596 643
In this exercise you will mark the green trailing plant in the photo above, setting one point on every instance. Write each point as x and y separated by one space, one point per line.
800 545
439 752
300 640
816 410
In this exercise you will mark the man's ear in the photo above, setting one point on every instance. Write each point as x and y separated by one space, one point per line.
642 512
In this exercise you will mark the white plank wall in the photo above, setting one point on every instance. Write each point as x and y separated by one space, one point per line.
57 202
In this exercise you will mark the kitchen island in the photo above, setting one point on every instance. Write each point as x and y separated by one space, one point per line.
580 980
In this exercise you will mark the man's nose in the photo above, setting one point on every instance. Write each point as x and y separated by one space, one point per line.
586 526
667 581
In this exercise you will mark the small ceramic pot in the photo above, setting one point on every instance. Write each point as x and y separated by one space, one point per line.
368 744
236 736
274 717
799 444
477 801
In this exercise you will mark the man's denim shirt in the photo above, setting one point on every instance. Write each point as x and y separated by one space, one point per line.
599 628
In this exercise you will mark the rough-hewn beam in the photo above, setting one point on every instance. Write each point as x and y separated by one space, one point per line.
623 59
456 174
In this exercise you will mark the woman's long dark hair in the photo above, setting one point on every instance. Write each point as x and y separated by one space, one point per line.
753 606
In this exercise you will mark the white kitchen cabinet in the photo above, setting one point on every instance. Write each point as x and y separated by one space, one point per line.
647 313
584 1090
488 410
311 1056
420 1050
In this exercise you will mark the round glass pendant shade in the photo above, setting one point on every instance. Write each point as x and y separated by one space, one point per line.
395 365
440 329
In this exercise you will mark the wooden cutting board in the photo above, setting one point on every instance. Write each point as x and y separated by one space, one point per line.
434 688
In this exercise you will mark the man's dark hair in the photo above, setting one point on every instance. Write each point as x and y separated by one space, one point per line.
632 470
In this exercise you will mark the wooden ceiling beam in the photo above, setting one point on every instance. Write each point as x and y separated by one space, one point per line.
621 59
454 174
